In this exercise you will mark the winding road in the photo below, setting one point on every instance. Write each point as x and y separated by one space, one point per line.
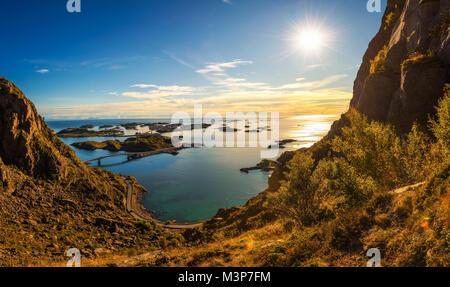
132 210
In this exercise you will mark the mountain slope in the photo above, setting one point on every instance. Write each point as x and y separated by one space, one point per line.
50 201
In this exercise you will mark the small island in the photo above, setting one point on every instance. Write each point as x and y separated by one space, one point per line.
86 132
135 144
282 144
264 165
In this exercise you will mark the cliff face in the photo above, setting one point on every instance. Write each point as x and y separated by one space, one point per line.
25 140
406 64
49 200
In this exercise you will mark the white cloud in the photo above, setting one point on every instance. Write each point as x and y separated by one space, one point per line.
157 91
164 88
239 83
313 85
43 71
226 1
154 94
314 66
220 67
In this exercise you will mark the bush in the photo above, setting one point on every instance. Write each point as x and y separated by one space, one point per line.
346 232
295 199
441 126
377 64
340 186
376 150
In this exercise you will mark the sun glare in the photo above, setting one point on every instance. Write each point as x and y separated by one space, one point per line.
310 40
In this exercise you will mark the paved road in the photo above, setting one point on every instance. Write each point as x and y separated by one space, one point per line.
131 210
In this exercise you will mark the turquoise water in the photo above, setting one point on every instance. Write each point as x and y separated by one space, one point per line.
193 185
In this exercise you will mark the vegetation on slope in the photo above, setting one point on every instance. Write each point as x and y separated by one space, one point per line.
330 209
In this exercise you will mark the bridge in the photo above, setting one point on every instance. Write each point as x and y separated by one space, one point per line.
137 155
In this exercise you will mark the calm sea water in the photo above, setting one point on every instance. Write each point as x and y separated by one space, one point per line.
193 185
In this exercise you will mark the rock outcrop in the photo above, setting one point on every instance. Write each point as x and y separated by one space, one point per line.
25 140
406 64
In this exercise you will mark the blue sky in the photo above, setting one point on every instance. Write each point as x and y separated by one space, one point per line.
151 58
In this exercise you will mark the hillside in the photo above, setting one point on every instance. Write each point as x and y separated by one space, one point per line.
50 201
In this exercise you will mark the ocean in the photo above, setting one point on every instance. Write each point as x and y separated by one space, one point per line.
194 184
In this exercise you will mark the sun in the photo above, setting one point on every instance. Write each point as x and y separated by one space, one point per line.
310 40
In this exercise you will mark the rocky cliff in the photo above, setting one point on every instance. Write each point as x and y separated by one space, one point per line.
406 64
50 201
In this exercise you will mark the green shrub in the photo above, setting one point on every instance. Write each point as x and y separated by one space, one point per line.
441 126
340 185
377 64
295 199
346 232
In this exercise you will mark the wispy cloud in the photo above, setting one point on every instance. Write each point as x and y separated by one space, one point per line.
220 67
43 71
313 85
314 66
157 91
177 59
164 88
226 1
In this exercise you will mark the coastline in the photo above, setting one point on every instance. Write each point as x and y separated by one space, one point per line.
134 204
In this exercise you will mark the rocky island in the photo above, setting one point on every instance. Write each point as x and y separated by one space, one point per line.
135 144
282 143
84 132
264 165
